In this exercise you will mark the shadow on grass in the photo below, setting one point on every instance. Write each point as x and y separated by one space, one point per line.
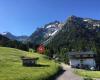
36 65
41 65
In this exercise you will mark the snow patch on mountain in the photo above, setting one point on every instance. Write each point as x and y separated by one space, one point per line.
45 33
4 33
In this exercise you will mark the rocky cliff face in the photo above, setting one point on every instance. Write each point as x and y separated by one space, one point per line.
43 34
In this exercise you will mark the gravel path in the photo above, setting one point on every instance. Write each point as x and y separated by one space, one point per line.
68 74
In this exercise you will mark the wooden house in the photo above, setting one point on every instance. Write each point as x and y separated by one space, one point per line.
82 59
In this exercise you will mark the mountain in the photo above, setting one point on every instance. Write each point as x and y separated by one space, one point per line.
45 33
77 34
8 35
13 37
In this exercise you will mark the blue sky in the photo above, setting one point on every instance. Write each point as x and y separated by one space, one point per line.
22 17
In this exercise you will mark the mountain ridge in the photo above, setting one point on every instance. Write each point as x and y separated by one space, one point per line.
45 33
13 37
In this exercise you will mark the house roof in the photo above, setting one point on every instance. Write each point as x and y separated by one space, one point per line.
87 52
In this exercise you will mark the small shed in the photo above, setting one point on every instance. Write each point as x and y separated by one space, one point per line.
82 59
27 61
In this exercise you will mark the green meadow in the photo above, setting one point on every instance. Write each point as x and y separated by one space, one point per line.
86 73
11 67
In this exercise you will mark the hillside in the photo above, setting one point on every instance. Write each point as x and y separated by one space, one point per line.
11 66
5 42
77 34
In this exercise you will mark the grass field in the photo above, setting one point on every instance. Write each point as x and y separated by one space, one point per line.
86 73
11 66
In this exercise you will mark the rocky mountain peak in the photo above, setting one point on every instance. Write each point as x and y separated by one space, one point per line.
45 33
72 18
